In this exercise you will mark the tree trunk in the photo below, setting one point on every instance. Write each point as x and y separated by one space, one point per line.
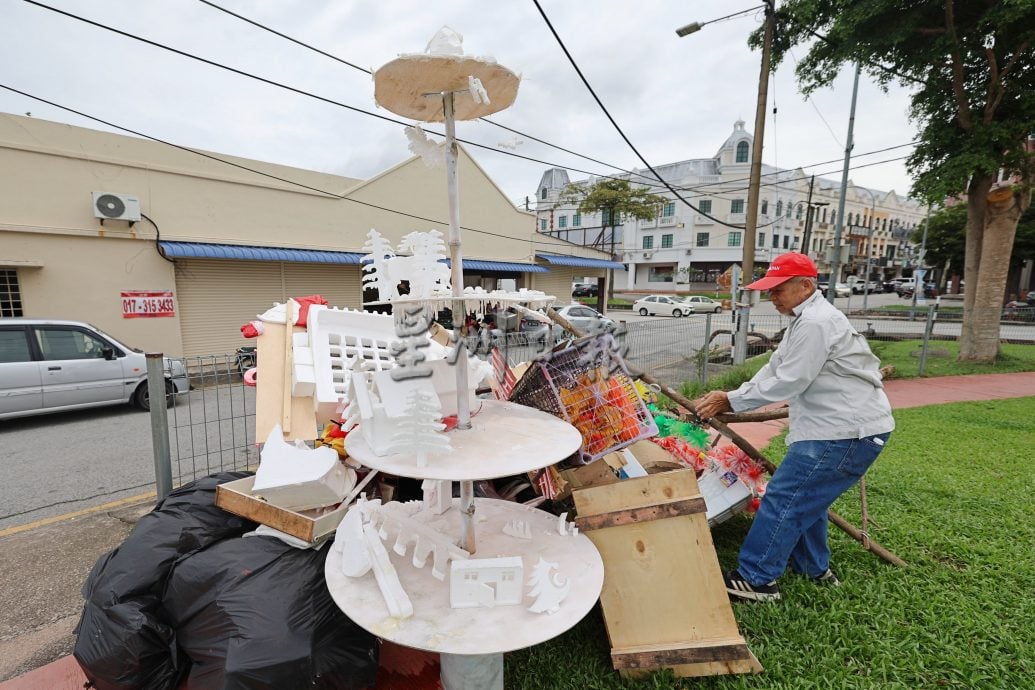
976 205
1003 210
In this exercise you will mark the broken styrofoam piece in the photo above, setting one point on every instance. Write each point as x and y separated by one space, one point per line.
519 529
355 559
277 313
565 528
298 477
438 495
426 540
477 91
549 589
396 599
486 582
446 41
432 154
267 531
722 491
303 374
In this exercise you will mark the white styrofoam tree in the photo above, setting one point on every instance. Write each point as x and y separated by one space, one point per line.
549 589
420 431
428 274
376 264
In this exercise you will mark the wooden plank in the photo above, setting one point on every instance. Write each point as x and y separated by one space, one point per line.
269 394
687 506
289 365
235 497
664 600
638 493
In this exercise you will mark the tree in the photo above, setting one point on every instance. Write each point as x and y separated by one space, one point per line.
971 67
614 200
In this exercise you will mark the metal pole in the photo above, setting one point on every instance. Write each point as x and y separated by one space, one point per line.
159 423
835 259
866 278
740 318
751 218
920 260
932 314
809 211
705 348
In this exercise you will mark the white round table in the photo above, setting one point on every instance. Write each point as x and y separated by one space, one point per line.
504 439
436 627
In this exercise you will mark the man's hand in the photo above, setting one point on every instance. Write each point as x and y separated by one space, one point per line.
715 402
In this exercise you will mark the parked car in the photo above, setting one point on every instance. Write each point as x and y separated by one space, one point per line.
588 290
905 290
661 304
586 319
861 286
702 305
840 289
55 366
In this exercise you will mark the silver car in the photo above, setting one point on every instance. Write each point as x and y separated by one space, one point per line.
54 366
702 305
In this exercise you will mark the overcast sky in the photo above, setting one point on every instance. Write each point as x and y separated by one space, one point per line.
675 98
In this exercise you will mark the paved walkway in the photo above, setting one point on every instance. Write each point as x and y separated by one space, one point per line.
39 632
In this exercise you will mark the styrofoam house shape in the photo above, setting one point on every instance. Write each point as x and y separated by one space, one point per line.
486 582
297 477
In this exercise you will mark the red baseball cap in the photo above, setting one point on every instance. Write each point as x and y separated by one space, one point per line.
783 268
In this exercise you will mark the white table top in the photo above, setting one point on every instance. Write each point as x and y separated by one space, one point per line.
504 439
435 626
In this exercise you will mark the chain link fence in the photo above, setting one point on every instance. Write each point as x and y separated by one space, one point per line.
212 428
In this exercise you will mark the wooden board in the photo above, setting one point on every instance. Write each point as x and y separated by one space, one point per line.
663 599
236 497
270 395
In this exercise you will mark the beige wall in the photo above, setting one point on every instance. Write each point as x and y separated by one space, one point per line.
80 277
48 171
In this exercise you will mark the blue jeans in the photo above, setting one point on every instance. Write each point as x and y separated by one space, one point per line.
791 523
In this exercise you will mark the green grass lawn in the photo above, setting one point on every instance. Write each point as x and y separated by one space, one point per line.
953 497
941 358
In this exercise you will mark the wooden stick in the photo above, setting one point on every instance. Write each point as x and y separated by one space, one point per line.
745 446
289 365
735 417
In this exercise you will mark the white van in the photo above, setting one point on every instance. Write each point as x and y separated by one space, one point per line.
54 366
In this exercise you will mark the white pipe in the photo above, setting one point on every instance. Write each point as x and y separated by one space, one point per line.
463 410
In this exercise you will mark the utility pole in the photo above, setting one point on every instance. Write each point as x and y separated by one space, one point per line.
751 217
835 259
918 273
808 219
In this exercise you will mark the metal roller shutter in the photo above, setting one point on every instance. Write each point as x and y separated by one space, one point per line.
216 298
557 283
339 285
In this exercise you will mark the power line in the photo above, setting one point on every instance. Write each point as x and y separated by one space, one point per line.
263 173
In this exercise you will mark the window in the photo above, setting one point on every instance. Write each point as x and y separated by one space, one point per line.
542 225
797 213
776 240
542 194
666 241
562 221
742 152
786 241
824 215
733 239
761 240
790 208
606 217
660 274
779 209
737 206
765 207
69 343
576 220
669 209
10 295
705 205
14 346
648 241
702 239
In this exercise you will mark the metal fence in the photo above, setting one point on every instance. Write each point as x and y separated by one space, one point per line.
212 428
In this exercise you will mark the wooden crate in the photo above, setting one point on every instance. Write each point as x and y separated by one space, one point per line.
236 497
663 599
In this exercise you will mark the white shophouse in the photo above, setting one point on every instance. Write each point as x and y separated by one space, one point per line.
683 245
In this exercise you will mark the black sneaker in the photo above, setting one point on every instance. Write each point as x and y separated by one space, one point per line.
739 588
828 579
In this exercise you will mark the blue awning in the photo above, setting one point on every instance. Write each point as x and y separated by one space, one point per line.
203 250
578 261
198 250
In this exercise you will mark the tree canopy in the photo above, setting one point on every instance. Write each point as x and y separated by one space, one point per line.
614 198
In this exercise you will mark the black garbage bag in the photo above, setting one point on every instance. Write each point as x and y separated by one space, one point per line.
123 638
255 613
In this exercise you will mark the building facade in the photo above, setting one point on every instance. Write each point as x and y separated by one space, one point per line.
215 239
684 245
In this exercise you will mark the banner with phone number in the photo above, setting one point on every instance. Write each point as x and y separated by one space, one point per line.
148 304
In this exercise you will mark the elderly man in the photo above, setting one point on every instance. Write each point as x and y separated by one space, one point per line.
840 420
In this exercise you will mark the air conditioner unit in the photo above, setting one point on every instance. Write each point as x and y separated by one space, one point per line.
109 206
689 252
647 255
